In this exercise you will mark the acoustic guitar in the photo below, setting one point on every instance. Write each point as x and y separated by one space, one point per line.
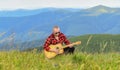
60 47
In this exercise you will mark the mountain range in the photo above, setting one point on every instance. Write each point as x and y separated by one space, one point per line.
28 25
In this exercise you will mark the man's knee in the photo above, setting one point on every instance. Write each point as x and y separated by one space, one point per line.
72 49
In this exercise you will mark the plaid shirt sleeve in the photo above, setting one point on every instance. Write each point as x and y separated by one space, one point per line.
66 41
46 44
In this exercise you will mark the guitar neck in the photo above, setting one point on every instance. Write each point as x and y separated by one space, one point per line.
68 45
75 43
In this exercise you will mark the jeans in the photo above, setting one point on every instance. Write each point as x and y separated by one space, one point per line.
69 50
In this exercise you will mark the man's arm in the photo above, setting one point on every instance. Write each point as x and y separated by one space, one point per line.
66 41
46 44
47 48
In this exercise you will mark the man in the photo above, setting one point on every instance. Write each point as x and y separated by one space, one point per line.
55 38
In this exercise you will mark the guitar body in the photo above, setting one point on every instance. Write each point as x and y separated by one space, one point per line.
58 47
53 54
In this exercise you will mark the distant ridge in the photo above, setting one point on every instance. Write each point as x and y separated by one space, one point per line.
37 24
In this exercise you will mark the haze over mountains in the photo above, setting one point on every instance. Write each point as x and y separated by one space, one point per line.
29 25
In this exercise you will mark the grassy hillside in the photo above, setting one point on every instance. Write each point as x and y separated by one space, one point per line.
15 60
98 43
97 52
94 43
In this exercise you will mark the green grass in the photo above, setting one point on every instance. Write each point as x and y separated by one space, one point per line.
15 60
98 43
97 52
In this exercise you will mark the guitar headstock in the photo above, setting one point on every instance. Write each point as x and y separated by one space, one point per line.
77 43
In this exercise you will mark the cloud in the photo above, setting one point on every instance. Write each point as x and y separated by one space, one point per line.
34 4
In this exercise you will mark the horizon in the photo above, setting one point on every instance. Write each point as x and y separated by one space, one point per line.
35 4
56 8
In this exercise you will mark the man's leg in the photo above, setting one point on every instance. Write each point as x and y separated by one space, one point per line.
69 50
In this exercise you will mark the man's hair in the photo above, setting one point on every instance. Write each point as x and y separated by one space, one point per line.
56 27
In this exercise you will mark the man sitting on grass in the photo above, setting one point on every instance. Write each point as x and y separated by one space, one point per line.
55 38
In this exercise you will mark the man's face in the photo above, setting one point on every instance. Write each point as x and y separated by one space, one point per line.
56 31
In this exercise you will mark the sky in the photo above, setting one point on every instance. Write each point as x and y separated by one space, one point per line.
36 4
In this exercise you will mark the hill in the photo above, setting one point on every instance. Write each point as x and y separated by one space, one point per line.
37 24
98 43
93 43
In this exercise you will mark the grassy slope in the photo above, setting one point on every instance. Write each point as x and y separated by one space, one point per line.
95 43
81 60
98 43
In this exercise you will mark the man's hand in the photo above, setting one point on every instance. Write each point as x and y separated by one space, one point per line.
54 50
71 45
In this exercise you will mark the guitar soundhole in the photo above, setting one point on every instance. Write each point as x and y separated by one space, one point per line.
57 47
